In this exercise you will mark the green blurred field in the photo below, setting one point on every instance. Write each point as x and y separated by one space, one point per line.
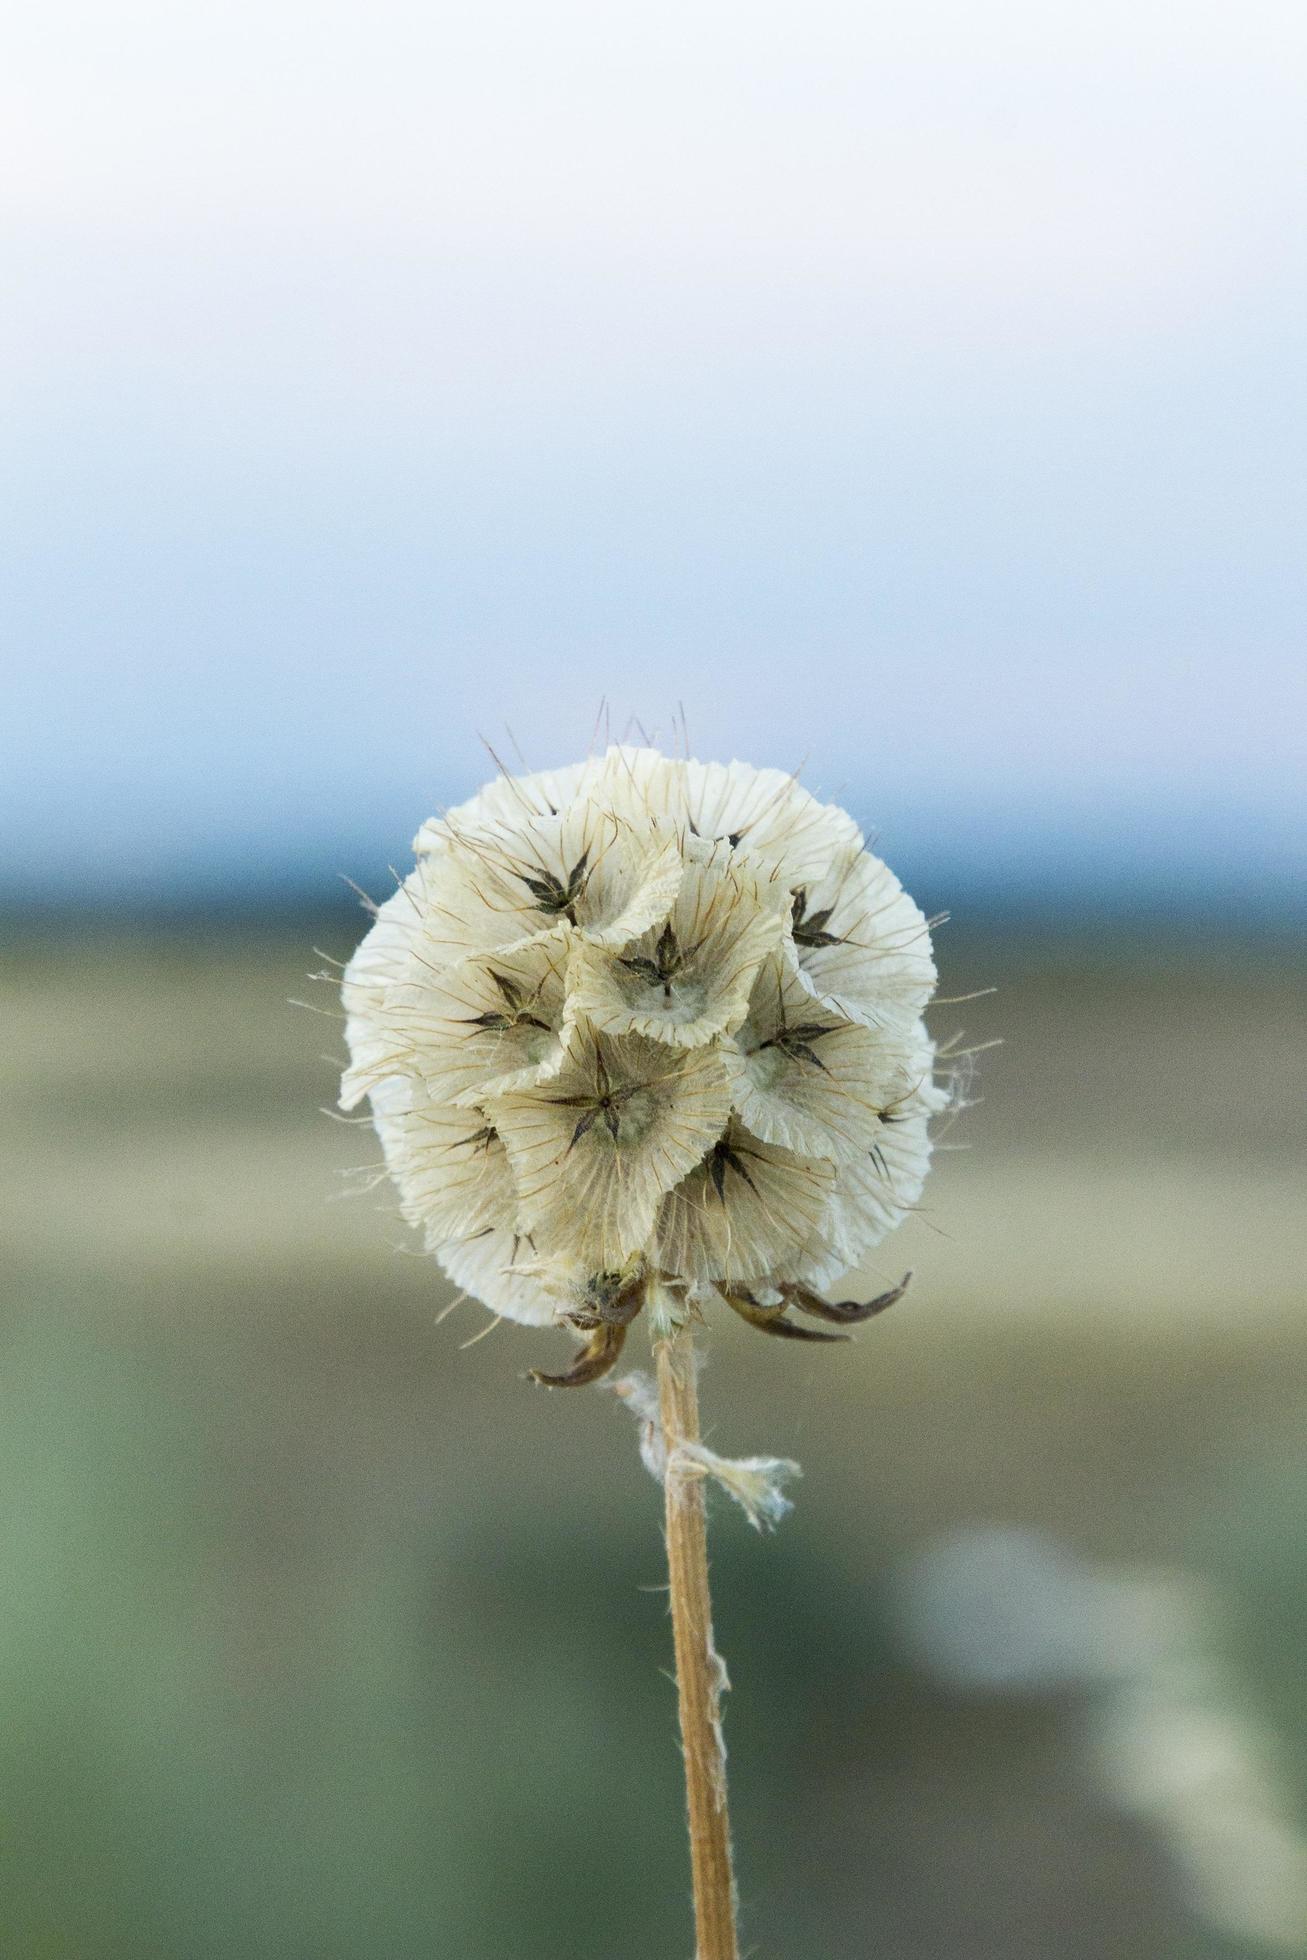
327 1638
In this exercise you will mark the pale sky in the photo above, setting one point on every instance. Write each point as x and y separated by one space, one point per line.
920 391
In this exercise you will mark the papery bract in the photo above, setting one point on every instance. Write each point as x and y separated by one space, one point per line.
646 1017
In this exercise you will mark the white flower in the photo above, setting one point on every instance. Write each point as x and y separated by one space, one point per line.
487 1024
859 943
582 870
802 1075
645 1024
594 1149
687 979
742 1216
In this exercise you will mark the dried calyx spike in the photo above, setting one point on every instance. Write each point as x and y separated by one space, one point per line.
646 1033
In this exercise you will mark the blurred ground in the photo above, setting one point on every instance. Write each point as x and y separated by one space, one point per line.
328 1639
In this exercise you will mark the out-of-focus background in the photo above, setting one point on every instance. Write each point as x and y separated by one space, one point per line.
919 393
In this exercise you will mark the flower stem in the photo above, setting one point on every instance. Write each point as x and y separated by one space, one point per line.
700 1676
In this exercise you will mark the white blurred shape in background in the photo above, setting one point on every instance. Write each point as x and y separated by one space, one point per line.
1168 1730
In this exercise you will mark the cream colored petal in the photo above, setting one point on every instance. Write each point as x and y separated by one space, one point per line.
639 786
765 813
380 959
631 882
450 1170
707 953
508 800
581 871
875 1191
804 1077
498 887
879 965
774 894
743 1214
476 902
768 814
594 1150
486 1025
633 783
501 1270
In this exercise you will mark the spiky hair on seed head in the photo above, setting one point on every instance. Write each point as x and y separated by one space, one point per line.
641 1026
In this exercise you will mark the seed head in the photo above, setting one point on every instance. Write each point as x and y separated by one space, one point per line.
644 1026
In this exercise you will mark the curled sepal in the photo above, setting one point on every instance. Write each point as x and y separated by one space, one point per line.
771 1320
593 1361
611 1298
844 1313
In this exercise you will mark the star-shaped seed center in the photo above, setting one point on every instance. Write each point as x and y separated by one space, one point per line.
668 962
556 896
809 929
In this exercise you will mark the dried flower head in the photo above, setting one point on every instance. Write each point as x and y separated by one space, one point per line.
648 1030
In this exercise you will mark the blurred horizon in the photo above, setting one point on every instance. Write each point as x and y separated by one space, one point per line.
1225 865
1227 877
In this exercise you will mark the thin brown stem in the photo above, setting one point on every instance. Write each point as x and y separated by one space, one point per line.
700 1676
